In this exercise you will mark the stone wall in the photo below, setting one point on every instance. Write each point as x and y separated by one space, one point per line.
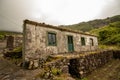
36 41
55 68
116 54
18 40
13 41
78 66
2 46
84 65
10 42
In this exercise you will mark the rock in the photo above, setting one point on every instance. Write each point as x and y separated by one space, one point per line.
7 77
30 65
81 72
36 64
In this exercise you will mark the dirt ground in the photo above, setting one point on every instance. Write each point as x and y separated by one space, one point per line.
111 71
9 71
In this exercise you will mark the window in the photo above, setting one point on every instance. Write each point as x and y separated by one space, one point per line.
51 39
82 41
91 42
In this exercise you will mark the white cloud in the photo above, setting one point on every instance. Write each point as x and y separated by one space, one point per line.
56 12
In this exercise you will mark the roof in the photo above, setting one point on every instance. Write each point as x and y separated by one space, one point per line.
54 27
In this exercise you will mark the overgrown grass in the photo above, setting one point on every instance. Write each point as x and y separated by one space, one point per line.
81 79
112 47
108 35
56 71
15 56
84 79
18 49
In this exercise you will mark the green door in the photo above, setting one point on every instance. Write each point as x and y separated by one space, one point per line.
70 44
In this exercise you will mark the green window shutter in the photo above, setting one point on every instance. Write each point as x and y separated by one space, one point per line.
51 39
83 41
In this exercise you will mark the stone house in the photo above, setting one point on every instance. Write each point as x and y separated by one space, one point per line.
41 40
11 41
14 40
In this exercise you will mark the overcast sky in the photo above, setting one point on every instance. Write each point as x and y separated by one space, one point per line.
55 12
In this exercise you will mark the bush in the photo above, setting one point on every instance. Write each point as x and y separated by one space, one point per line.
1 37
56 71
16 53
84 79
109 35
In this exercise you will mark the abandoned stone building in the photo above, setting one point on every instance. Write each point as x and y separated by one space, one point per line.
41 40
11 41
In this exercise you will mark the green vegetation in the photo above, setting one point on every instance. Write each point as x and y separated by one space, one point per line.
18 49
107 30
109 35
1 37
84 79
56 71
94 24
2 34
81 79
114 47
14 54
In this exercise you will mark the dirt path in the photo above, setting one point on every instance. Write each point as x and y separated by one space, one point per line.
9 71
111 71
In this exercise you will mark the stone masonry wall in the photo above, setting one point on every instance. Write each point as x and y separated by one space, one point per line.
78 66
18 40
13 41
54 68
36 42
84 65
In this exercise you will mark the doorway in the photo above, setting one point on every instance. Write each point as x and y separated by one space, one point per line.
70 44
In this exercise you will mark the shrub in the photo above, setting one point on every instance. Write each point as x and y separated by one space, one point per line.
56 71
16 53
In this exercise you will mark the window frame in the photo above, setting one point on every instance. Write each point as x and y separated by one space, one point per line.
91 42
83 42
51 42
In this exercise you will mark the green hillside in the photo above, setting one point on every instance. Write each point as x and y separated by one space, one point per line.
94 24
107 30
108 35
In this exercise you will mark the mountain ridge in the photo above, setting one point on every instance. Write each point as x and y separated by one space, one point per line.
93 24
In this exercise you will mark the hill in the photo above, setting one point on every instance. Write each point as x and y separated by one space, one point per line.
108 35
94 24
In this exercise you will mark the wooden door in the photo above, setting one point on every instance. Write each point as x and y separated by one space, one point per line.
70 44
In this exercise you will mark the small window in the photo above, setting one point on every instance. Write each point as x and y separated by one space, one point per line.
51 39
91 42
82 41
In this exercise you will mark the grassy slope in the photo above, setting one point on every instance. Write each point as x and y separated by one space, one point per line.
108 35
94 24
107 30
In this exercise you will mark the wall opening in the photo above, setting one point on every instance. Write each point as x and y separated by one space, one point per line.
73 68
